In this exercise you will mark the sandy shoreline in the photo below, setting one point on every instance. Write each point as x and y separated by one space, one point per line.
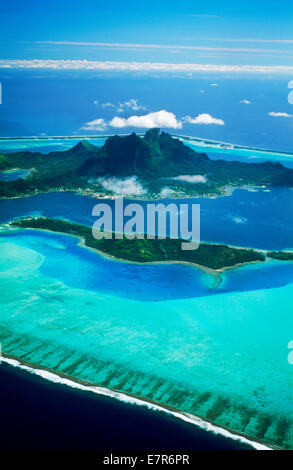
59 377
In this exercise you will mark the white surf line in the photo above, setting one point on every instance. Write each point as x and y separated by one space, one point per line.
187 417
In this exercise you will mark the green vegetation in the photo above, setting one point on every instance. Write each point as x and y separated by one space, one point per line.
155 158
54 171
282 255
144 250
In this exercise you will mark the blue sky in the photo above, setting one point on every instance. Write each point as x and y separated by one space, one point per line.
215 32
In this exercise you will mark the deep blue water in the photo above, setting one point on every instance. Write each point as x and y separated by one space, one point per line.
39 414
251 219
38 102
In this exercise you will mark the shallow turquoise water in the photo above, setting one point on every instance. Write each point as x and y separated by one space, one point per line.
44 145
78 267
226 152
222 356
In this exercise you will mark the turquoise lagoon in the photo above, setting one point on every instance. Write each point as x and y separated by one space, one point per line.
225 151
162 332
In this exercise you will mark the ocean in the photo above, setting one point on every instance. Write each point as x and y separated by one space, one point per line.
43 415
36 103
73 311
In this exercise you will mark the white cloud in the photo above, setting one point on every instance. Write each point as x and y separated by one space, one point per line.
131 104
171 47
122 106
251 40
142 66
272 113
108 105
95 125
96 102
158 119
147 121
166 192
191 178
204 118
123 186
245 102
239 220
214 84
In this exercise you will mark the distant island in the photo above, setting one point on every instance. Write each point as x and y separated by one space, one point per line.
163 165
213 256
281 255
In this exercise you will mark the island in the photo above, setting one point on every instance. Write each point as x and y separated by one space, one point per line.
215 257
281 255
163 165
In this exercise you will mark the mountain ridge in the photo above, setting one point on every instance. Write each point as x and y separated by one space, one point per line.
157 159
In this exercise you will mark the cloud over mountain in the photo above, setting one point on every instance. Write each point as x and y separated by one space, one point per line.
123 186
161 119
148 121
191 178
